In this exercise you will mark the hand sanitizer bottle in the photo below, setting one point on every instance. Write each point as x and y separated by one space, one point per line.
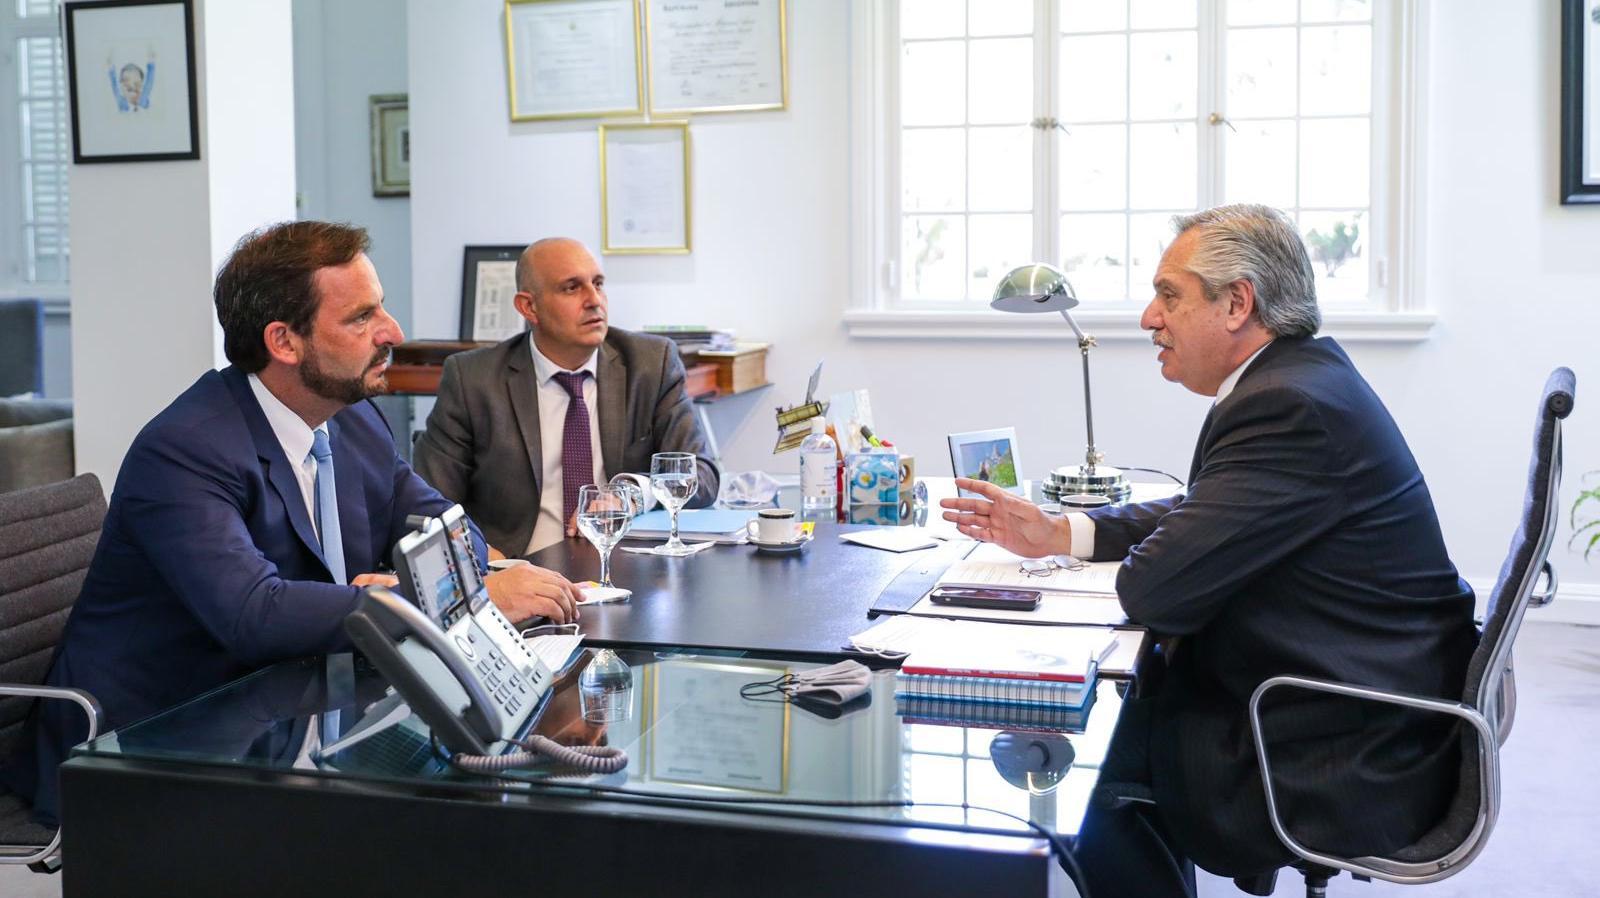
819 462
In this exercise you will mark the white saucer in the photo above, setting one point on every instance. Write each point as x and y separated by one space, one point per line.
597 595
790 546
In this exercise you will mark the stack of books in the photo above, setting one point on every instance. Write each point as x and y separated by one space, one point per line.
692 338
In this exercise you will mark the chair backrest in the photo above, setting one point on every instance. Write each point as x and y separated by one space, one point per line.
48 536
1461 834
21 346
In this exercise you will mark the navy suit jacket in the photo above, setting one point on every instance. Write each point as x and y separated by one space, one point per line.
208 566
1307 544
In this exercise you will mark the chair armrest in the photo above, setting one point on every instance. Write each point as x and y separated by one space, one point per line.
45 859
1539 598
90 706
1389 871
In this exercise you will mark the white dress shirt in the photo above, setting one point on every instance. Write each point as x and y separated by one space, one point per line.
1083 526
549 528
295 438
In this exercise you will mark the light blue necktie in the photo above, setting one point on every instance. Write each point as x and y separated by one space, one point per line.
328 506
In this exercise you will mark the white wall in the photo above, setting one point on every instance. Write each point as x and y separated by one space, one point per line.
1511 273
346 51
146 237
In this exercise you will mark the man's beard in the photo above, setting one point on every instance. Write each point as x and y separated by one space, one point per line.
348 390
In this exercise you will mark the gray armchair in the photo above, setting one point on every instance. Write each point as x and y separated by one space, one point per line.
1488 701
47 538
35 442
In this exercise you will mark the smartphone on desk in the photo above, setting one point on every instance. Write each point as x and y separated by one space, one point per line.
985 597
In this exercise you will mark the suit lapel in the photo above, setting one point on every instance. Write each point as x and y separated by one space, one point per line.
279 470
612 395
354 522
522 388
1200 444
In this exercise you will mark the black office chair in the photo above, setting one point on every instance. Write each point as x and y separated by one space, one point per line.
1488 701
21 346
47 538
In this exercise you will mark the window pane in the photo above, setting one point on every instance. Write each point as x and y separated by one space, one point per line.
923 737
986 789
1334 162
1261 162
932 18
1093 15
1161 13
986 17
932 162
934 779
933 83
36 7
1261 12
1335 70
1094 167
1261 72
1337 242
1336 10
1094 86
1148 236
1094 255
1163 75
1001 81
1164 164
1001 170
934 256
999 243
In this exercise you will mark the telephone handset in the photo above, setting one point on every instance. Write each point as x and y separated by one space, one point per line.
453 656
457 682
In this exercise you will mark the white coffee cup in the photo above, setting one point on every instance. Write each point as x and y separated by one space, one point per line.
776 525
500 564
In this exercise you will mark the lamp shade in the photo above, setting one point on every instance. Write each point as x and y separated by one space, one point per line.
1034 288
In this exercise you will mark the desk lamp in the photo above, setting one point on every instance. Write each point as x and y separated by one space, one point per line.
1044 288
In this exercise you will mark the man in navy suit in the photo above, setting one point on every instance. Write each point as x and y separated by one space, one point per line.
249 513
1306 544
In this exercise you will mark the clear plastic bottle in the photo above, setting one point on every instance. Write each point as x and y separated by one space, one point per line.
819 464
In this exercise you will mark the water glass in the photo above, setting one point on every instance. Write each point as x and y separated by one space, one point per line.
604 515
673 481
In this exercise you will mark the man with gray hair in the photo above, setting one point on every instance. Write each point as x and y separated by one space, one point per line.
1306 544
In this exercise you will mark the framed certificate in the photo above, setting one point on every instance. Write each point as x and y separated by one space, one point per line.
488 293
572 59
644 188
717 57
701 732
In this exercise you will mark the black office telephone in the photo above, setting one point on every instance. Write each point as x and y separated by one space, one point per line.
452 655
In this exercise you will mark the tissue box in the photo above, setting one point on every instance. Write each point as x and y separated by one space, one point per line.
873 478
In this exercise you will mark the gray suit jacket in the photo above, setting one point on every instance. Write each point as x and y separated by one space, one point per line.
482 446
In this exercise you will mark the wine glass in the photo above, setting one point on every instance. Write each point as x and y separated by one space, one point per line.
673 480
604 515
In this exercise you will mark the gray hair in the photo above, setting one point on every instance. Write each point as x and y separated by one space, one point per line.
1259 244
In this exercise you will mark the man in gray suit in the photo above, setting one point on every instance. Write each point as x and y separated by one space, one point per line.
519 427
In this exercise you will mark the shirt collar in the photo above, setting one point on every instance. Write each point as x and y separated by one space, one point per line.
1232 380
290 429
545 369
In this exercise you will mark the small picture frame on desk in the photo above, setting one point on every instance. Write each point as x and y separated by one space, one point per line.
988 455
488 293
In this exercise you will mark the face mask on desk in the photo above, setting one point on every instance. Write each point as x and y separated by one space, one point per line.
821 689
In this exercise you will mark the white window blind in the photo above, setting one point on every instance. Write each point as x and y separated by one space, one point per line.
39 150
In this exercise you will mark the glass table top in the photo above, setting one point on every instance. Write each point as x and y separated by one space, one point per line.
689 736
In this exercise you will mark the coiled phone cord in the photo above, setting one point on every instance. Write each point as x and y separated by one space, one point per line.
587 758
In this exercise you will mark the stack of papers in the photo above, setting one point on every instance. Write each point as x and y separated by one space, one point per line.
720 525
941 639
894 539
989 565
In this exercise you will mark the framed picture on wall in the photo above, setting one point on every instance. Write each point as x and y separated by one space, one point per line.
391 145
488 293
131 81
716 57
644 188
1580 101
572 59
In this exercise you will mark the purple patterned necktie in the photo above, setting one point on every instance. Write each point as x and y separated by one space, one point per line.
577 456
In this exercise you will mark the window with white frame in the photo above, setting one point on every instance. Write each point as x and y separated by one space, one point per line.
35 150
1072 131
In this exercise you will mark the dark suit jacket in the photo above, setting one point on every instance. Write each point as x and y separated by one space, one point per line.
482 445
208 566
1307 545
